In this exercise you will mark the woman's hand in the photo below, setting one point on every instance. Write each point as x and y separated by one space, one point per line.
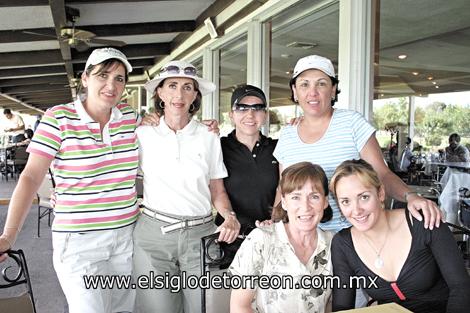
213 126
295 120
151 119
263 223
229 229
431 212
5 245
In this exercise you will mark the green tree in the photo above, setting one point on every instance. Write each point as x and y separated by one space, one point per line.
391 112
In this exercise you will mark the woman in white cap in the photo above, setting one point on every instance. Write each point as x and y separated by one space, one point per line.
328 136
92 148
183 175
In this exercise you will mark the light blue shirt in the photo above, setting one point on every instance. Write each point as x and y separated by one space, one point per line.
344 139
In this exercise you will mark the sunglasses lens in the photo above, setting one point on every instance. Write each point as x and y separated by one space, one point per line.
190 71
172 69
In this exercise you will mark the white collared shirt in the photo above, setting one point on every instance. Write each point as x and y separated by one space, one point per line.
177 167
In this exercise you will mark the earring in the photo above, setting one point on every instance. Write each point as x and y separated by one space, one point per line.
192 107
342 218
296 100
161 104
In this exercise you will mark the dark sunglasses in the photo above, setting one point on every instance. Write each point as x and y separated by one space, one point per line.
242 107
173 69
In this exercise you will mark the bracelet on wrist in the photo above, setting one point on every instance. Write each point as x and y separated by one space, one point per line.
408 193
231 213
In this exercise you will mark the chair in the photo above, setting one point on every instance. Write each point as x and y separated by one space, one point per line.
215 259
14 273
18 160
45 207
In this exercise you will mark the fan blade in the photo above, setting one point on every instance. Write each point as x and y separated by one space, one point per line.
38 34
81 46
81 34
106 42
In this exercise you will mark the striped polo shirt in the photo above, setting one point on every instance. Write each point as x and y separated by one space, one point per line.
94 171
344 139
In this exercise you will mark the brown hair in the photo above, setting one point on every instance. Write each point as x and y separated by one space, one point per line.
364 171
160 105
103 67
296 176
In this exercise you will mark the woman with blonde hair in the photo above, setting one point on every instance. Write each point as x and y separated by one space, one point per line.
418 268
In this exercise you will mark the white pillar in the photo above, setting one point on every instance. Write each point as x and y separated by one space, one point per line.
411 122
355 55
210 71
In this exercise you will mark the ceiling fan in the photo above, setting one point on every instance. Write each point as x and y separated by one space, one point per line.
79 39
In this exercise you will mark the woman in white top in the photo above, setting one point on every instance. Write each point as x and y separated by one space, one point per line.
183 175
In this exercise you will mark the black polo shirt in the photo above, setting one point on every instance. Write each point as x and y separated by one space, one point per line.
252 179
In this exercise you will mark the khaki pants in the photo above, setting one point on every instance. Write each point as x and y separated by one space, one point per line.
171 254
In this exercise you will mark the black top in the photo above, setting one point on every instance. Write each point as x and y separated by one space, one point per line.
252 178
433 277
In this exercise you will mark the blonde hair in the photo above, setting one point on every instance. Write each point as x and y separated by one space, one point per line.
294 178
363 170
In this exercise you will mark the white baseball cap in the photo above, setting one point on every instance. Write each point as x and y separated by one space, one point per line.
180 69
103 54
315 62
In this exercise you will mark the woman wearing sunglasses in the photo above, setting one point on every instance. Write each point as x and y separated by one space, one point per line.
92 148
183 175
253 172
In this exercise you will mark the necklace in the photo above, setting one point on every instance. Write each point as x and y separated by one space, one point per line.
379 262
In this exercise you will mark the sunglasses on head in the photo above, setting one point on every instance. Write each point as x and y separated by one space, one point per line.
173 69
242 107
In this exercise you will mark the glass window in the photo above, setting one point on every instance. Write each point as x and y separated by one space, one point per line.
423 53
198 65
296 33
233 63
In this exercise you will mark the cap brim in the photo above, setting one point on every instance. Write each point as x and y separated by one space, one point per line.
205 86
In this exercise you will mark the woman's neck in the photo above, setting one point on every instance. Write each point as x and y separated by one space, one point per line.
247 140
100 116
312 121
177 122
302 238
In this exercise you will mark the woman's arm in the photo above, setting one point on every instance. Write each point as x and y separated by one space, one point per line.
452 268
343 298
230 227
20 203
397 189
240 300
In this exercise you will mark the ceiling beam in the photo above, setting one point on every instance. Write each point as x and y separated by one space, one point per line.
26 105
113 1
60 21
51 80
26 58
32 71
116 30
131 51
22 35
23 3
31 88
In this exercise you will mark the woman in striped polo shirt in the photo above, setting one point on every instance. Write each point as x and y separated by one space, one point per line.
92 147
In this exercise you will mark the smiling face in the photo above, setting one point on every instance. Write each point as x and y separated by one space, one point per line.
248 122
359 203
105 88
314 91
305 206
178 94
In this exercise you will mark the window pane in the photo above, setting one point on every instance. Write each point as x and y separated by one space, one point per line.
233 58
296 34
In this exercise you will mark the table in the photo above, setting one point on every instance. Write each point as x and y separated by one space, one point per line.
452 180
433 166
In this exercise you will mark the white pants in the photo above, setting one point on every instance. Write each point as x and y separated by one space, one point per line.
107 252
